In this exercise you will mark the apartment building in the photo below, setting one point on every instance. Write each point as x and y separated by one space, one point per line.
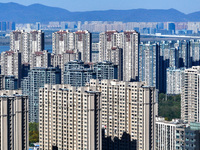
14 120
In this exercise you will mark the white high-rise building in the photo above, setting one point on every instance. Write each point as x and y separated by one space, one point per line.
128 108
167 133
107 41
190 98
128 41
175 79
79 40
11 64
40 59
62 41
27 43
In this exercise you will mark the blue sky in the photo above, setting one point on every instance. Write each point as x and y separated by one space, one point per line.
186 6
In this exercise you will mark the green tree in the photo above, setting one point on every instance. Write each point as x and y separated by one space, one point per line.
169 106
33 133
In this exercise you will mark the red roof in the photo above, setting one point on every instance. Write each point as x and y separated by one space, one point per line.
111 32
80 32
114 48
38 53
69 52
9 52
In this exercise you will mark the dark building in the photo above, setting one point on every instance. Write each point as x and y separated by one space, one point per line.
11 83
149 64
76 73
171 28
192 137
184 54
7 26
25 69
106 70
36 79
8 82
160 26
3 26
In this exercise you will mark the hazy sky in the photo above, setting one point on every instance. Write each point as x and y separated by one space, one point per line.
186 6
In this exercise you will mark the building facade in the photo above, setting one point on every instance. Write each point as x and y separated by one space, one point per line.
105 70
123 112
127 123
59 60
128 41
167 133
14 120
192 136
70 118
175 79
40 59
149 64
76 73
27 43
190 96
79 40
36 79
95 52
11 64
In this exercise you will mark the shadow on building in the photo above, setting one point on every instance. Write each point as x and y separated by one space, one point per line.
123 143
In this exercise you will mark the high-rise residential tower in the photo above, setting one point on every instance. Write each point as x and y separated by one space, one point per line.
59 60
27 43
14 120
175 79
40 59
62 41
76 73
128 108
102 115
190 110
79 40
11 64
105 70
167 134
107 41
95 52
149 64
128 41
70 118
83 43
36 79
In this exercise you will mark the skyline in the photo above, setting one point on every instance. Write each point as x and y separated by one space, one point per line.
116 114
79 6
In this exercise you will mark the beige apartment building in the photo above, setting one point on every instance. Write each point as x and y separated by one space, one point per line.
190 97
69 118
13 120
106 115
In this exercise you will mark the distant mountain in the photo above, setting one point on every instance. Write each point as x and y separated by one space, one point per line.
194 16
41 13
